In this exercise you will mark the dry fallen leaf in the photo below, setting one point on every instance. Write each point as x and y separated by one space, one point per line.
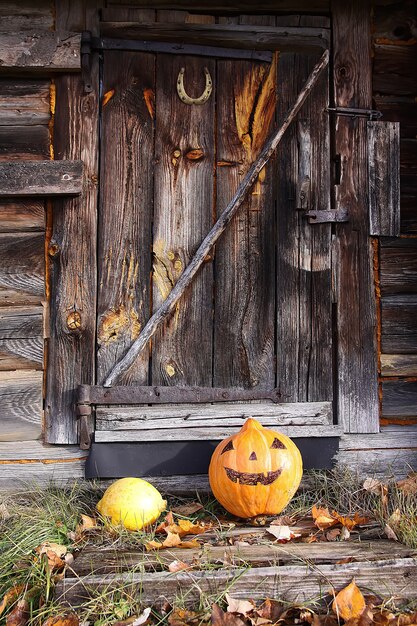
172 540
234 605
409 484
350 522
182 617
187 509
349 603
19 616
193 543
270 610
376 486
282 533
220 618
67 619
390 534
178 566
9 597
322 517
333 534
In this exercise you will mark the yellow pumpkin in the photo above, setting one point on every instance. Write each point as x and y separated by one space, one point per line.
256 471
131 502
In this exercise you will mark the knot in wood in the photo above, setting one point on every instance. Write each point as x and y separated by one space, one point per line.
53 249
74 321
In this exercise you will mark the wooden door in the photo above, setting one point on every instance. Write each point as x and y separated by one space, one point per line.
259 314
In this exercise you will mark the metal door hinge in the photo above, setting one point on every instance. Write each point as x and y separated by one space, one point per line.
325 217
84 412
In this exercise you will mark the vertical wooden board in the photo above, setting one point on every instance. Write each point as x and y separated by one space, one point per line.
183 213
21 403
358 404
244 257
72 254
126 197
384 178
304 309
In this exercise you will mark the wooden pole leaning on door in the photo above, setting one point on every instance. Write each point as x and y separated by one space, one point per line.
218 228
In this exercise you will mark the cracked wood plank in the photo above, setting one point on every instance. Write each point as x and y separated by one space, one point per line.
183 214
110 560
125 233
303 275
244 257
300 583
41 51
358 403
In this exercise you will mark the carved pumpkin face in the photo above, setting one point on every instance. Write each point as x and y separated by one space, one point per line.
255 472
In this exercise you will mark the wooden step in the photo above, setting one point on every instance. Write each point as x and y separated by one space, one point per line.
294 583
295 572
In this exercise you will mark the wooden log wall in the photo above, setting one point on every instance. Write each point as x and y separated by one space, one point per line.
25 106
394 93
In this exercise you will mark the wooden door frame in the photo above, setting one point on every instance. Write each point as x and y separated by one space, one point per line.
72 251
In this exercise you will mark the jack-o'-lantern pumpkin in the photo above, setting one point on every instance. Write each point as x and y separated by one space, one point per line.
256 471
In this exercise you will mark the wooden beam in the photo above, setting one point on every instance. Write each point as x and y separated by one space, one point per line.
21 215
40 51
41 178
357 376
236 36
384 178
399 400
216 231
22 268
237 6
398 263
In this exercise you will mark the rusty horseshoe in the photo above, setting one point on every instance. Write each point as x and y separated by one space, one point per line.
183 94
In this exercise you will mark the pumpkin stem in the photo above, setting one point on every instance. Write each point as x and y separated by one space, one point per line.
252 423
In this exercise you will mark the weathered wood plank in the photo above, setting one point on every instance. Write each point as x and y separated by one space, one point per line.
358 404
244 257
237 6
42 51
397 109
215 433
125 227
24 102
183 214
21 402
21 215
46 178
395 22
384 178
399 399
394 70
116 561
397 577
304 336
24 142
399 324
22 266
207 415
390 438
21 338
72 253
240 36
399 364
384 464
398 266
18 15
